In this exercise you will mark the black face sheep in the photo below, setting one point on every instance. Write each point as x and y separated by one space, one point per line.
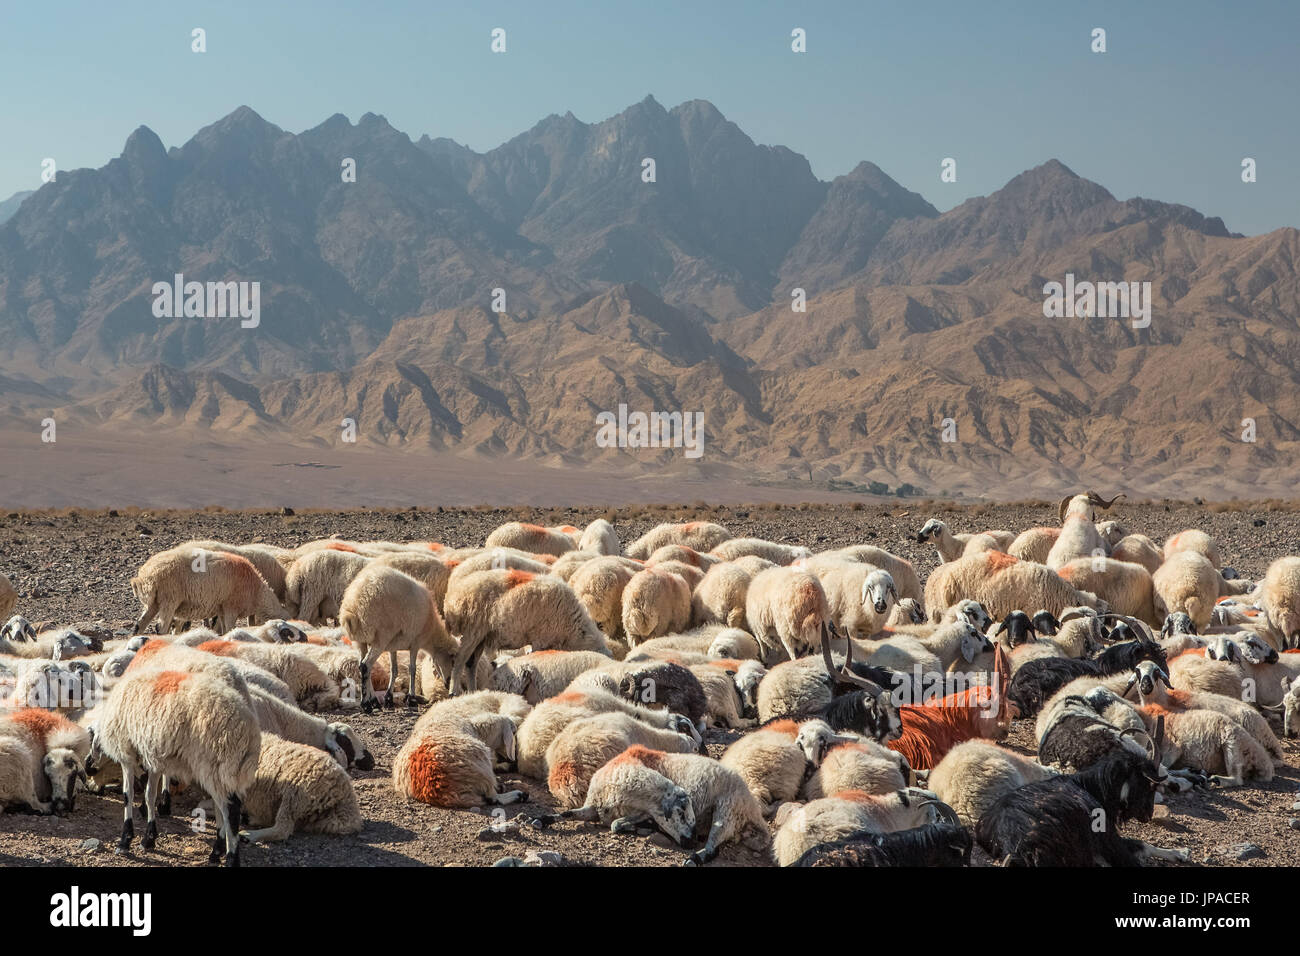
298 787
191 727
1073 820
17 629
42 757
935 844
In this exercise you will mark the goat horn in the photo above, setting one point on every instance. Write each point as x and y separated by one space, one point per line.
945 811
1061 508
843 674
1097 499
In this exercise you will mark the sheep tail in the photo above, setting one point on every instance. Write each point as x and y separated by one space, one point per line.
736 617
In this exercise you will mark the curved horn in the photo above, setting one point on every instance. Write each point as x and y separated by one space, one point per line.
1101 502
843 674
945 811
1061 508
1073 613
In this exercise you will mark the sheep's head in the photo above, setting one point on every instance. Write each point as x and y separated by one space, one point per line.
282 632
675 815
878 591
1112 532
1224 649
1018 627
1045 623
973 643
1084 505
63 768
907 611
1147 675
84 683
1180 622
683 725
815 738
747 678
18 629
348 748
972 612
1256 650
934 528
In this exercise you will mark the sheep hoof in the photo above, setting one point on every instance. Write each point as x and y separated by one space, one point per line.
165 804
369 705
214 856
415 700
388 701
693 860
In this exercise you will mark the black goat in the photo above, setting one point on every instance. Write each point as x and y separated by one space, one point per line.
1073 820
1037 680
935 844
667 685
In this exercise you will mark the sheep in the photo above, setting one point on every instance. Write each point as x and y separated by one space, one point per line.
236 673
708 640
700 535
386 610
906 582
498 559
310 686
623 794
264 557
1138 549
859 595
684 555
1079 633
1002 584
935 844
848 813
8 596
600 537
856 764
1111 532
751 564
543 674
781 554
1052 822
1126 588
1036 681
773 760
182 584
1079 537
949 546
17 629
974 775
652 683
545 722
341 664
1188 582
731 691
1197 671
185 726
290 724
599 585
1280 597
655 602
688 573
278 631
449 762
567 564
1034 544
950 643
533 538
905 612
786 609
805 687
428 569
1195 540
588 743
316 581
298 788
42 756
510 609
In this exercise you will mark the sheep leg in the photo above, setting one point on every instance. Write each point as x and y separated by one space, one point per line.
629 823
151 823
1148 851
281 830
412 698
368 703
392 679
128 808
147 615
232 831
468 644
223 817
164 805
472 665
508 797
717 834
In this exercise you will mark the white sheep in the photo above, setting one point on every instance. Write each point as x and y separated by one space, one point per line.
428 569
450 762
655 602
1002 584
316 581
600 537
265 557
297 787
1079 537
588 743
706 640
1211 742
533 538
1126 588
599 585
700 535
310 686
386 610
42 756
191 727
1193 539
1138 549
856 764
1280 597
1035 544
851 813
786 609
973 775
720 596
771 761
900 569
684 555
1188 582
499 559
772 551
860 596
491 610
194 585
289 723
543 674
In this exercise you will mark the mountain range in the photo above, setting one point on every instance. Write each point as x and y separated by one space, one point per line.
670 295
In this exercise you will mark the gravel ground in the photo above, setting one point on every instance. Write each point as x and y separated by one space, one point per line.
74 566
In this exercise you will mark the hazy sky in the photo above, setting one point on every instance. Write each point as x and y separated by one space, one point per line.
1185 91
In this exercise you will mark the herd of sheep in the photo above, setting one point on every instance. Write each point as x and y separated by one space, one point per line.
869 705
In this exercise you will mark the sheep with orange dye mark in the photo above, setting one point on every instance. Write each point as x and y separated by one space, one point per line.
655 602
500 559
1079 537
533 538
1208 741
1034 545
297 787
973 775
1002 584
42 756
849 812
267 558
188 726
772 551
1188 582
1126 588
450 761
184 584
236 673
549 718
588 743
492 610
310 686
687 572
774 759
786 609
855 763
684 555
1196 540
316 581
698 535
1138 549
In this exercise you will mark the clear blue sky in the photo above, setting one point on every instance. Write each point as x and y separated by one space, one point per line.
1185 90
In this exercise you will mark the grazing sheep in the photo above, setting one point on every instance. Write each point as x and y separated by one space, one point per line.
42 756
861 765
974 775
545 722
491 610
901 570
691 575
264 557
297 787
8 596
182 584
782 554
655 602
191 727
532 538
752 564
425 568
567 564
1126 588
850 812
1002 584
1280 597
499 559
860 597
1197 541
720 596
1188 582
386 610
450 762
599 585
1079 537
600 537
588 743
1034 545
684 555
543 674
316 581
786 609
310 686
1138 549
700 535
289 723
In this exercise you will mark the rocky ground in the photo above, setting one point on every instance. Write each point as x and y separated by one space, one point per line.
74 566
